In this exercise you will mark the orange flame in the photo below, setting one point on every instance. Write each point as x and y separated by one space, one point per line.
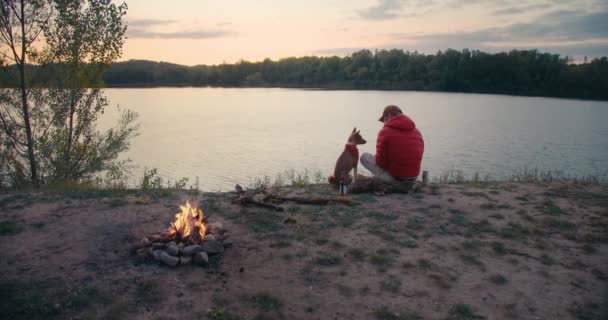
188 221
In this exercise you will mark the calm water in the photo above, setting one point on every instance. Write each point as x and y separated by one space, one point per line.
228 136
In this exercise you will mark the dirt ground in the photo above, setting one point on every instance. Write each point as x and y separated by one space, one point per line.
488 251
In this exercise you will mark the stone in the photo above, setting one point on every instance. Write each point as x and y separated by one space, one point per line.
185 260
227 243
156 254
216 225
209 237
213 247
191 250
201 258
168 259
158 245
172 250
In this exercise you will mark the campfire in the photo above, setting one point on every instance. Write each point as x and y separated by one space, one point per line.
190 239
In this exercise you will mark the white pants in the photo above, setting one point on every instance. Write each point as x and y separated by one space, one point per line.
369 162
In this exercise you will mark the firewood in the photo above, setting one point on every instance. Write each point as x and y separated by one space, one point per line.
314 200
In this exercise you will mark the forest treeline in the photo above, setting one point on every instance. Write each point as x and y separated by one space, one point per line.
518 72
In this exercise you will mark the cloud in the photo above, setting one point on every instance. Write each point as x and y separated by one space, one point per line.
382 10
337 51
140 28
554 26
198 34
567 32
524 9
144 23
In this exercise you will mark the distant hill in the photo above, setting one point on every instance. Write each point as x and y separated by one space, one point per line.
518 72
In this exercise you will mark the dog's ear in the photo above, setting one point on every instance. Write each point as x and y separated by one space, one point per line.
354 129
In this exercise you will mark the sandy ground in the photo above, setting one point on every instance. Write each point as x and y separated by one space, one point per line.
491 251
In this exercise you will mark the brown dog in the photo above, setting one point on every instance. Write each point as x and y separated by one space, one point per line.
348 160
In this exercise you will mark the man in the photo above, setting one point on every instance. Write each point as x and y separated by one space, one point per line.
399 148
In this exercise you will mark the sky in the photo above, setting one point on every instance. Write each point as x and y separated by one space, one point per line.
193 32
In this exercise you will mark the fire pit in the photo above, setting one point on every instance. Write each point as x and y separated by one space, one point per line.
190 239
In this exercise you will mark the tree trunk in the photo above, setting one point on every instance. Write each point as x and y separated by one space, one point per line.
26 111
68 148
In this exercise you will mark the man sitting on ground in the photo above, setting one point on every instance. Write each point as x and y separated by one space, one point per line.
399 148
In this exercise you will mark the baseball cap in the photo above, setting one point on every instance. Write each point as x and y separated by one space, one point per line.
389 110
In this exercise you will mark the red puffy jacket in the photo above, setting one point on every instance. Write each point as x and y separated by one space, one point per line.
399 147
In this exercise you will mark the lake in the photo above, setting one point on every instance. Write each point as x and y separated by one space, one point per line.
229 136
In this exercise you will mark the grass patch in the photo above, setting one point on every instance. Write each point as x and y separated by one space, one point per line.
550 208
357 253
392 285
382 259
265 302
384 313
498 279
471 260
382 217
117 202
472 245
20 302
347 219
440 281
321 241
514 231
345 290
488 206
9 228
589 249
463 312
459 219
219 313
280 244
149 292
547 260
415 223
264 221
424 265
499 248
558 224
368 198
475 194
328 260
38 225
